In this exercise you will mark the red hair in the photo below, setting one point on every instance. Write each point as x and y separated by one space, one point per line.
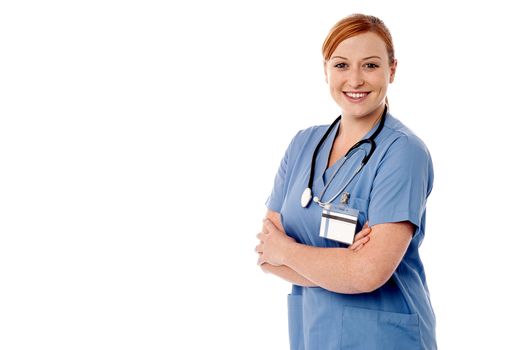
353 25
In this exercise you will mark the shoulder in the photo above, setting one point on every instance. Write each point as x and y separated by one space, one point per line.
314 130
402 154
309 135
402 141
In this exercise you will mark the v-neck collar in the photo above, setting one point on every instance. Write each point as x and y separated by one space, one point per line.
326 172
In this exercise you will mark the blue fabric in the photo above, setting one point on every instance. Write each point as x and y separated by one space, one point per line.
392 187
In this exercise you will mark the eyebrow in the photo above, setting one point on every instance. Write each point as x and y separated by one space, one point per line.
363 59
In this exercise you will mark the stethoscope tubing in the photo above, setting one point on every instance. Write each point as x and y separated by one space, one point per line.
318 199
307 193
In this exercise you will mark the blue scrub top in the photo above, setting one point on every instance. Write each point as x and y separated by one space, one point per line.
392 187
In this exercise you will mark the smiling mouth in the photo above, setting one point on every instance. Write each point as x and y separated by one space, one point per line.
356 96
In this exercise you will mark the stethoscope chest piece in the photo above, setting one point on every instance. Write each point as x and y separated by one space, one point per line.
306 197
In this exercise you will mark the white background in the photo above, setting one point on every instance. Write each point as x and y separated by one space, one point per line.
139 141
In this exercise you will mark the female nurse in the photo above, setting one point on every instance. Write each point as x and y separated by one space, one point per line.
347 212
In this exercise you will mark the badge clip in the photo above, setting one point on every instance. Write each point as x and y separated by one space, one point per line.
345 198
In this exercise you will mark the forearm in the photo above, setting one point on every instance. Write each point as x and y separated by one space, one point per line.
288 274
336 269
347 271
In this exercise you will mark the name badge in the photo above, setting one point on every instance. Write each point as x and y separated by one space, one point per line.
338 223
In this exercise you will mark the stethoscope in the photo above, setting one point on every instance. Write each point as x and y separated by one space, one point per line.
307 193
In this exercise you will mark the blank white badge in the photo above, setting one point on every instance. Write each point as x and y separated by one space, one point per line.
339 223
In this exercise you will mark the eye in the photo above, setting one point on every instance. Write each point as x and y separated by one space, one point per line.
340 65
371 65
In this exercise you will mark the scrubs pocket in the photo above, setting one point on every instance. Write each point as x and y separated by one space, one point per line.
372 329
295 306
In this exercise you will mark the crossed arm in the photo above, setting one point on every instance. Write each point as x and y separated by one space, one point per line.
343 270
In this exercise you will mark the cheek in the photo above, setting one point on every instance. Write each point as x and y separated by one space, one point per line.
335 91
335 83
381 81
330 82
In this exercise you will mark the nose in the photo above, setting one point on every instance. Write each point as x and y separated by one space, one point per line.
355 78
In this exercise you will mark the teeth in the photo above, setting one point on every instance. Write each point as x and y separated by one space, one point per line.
356 95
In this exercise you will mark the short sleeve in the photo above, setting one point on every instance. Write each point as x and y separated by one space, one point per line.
402 183
277 196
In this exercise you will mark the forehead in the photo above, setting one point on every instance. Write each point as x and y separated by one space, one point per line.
362 45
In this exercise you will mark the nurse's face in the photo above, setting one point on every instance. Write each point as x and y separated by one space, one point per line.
358 73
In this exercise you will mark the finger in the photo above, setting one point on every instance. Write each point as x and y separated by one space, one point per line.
364 232
359 242
366 224
260 261
261 236
358 248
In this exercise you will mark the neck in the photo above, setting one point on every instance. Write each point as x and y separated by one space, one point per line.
354 129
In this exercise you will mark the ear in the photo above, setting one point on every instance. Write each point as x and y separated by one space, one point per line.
325 71
392 71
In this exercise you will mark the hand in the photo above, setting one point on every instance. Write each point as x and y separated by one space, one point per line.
361 238
273 245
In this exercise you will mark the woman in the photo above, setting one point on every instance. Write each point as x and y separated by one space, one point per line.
370 293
